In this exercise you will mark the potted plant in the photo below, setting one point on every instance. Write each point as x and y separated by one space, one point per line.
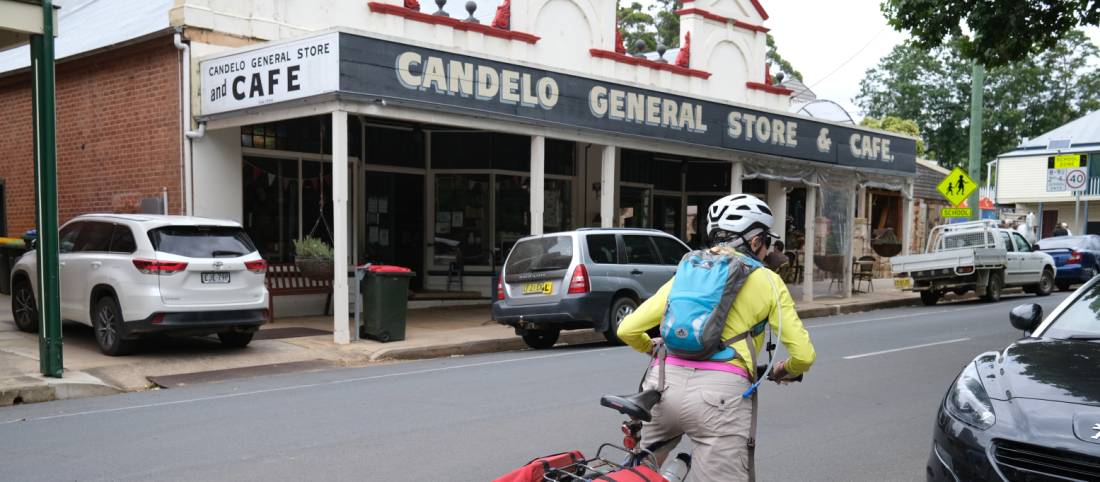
313 258
886 244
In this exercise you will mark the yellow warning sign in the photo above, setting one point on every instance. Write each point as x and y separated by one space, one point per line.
956 212
1064 161
956 186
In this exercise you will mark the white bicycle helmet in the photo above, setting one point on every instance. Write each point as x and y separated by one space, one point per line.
741 216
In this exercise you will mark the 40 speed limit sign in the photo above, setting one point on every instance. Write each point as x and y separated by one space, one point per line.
1076 179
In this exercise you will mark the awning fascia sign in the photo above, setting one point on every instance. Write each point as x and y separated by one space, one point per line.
384 69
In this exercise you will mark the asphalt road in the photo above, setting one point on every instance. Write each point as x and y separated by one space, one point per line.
864 412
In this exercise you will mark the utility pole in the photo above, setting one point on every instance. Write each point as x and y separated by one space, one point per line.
45 186
977 86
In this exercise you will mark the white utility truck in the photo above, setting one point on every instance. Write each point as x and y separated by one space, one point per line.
977 256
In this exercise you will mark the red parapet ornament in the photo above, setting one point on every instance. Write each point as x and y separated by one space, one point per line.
683 59
503 18
619 46
412 5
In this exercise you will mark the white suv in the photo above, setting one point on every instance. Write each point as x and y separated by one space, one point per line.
132 274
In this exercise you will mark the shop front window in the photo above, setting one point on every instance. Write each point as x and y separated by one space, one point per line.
634 207
557 214
666 212
271 205
461 219
513 212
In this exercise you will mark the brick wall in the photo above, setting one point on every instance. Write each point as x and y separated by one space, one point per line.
118 134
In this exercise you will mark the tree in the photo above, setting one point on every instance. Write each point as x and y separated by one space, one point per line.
896 124
782 63
637 25
1023 98
667 22
1000 31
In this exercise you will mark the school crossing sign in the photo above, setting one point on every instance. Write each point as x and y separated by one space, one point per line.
956 187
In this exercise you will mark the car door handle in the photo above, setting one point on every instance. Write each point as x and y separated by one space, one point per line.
636 272
96 264
61 264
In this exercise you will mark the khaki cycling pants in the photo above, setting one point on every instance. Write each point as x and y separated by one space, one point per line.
705 405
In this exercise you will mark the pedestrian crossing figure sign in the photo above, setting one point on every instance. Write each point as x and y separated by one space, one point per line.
956 187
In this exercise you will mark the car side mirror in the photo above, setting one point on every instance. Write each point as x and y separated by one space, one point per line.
1026 317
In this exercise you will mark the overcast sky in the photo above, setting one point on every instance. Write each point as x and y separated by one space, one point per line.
832 42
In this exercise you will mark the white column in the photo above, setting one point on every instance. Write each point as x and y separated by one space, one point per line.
340 331
736 174
538 182
607 186
808 246
907 220
777 201
848 256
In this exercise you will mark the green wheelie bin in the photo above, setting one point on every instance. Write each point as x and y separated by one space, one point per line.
385 291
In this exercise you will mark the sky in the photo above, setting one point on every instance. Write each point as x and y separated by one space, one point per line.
832 42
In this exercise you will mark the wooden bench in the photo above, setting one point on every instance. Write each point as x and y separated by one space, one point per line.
285 279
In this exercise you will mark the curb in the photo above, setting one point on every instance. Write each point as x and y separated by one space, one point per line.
37 388
857 308
513 343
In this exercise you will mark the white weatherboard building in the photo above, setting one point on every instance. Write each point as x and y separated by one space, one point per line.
459 138
1022 177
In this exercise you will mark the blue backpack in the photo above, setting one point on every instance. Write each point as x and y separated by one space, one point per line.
703 291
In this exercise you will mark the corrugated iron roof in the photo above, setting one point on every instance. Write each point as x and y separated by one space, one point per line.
88 25
1082 133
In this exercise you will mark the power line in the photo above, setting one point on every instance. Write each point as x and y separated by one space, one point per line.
861 49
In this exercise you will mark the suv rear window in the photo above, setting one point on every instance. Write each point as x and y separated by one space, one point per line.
201 241
540 254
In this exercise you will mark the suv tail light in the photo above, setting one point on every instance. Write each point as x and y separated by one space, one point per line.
258 266
1074 257
579 282
500 288
966 269
159 267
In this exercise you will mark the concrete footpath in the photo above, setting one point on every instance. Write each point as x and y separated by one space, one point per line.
290 345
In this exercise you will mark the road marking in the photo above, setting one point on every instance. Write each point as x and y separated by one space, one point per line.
307 385
883 352
895 317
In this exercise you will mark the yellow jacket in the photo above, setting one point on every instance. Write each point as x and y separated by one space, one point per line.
754 303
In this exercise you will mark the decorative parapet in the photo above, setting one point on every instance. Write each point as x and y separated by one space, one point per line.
388 9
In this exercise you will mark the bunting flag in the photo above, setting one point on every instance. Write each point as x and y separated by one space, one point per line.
271 179
683 59
619 47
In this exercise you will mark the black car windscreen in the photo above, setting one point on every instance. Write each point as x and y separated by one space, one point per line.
540 254
202 241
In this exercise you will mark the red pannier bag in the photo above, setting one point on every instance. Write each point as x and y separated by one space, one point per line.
633 474
535 469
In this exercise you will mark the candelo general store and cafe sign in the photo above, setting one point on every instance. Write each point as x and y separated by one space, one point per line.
359 66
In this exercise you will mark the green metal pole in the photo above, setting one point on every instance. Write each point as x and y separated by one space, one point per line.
977 86
45 191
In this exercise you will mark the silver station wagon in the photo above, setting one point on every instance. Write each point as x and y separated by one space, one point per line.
587 278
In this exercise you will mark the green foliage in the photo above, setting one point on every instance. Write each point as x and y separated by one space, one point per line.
782 63
1022 99
636 25
311 247
997 32
896 124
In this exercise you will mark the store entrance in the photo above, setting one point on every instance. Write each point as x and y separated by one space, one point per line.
393 216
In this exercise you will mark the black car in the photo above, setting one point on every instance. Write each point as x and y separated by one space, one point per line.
1031 411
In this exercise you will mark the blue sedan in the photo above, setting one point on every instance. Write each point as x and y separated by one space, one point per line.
1077 258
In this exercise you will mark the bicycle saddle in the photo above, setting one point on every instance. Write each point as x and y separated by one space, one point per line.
636 406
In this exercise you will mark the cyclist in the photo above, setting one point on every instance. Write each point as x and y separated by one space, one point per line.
703 399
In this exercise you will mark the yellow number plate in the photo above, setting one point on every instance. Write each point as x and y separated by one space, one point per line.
901 283
544 288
